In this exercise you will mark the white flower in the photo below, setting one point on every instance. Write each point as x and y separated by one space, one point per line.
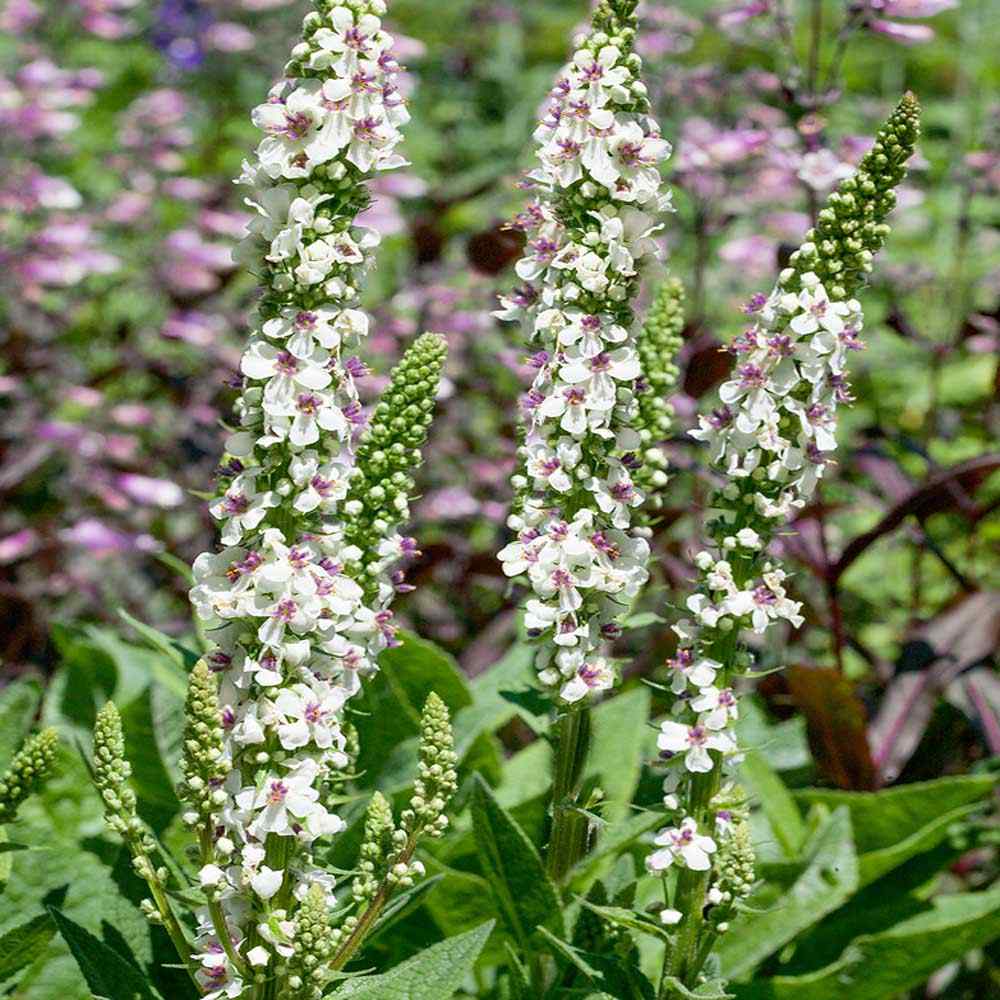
718 705
305 715
266 881
694 742
258 956
242 507
593 676
283 803
683 845
210 876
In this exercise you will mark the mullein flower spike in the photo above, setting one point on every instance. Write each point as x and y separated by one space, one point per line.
297 603
769 443
590 233
28 771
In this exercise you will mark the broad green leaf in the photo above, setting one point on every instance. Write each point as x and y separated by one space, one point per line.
107 974
19 702
434 974
20 946
874 864
776 801
828 880
151 780
416 667
79 880
784 745
489 709
877 966
524 893
619 737
387 715
881 819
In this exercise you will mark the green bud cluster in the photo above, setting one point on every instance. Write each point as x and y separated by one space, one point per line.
29 769
851 227
658 342
615 23
313 946
389 452
735 873
202 763
378 848
437 778
111 775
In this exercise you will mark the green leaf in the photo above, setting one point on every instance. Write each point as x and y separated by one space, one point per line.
519 980
179 654
416 667
572 955
107 974
629 918
523 891
434 974
145 722
20 946
74 867
617 746
490 709
828 880
612 842
714 989
876 966
777 802
387 715
882 819
19 702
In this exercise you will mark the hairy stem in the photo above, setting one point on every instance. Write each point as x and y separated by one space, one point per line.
568 841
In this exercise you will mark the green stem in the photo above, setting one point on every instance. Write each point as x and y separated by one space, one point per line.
382 896
682 961
568 841
215 910
170 922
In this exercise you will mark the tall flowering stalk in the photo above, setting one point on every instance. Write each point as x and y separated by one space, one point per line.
590 232
770 442
297 602
590 229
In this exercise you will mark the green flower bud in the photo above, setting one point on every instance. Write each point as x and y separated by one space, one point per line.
202 763
111 774
437 778
389 452
378 848
314 944
29 769
851 228
658 342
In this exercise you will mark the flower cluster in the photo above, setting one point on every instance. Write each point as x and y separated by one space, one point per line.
770 441
590 232
296 610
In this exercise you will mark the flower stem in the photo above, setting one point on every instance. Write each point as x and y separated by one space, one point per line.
568 841
367 919
682 961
